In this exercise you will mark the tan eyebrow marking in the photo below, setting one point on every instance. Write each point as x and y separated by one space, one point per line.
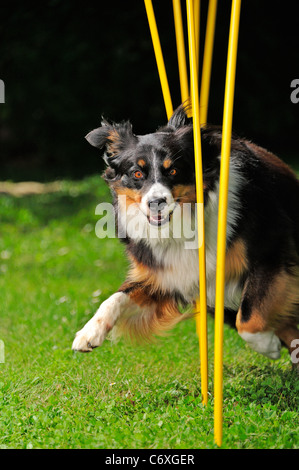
167 163
141 162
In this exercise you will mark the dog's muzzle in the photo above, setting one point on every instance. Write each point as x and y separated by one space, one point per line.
159 213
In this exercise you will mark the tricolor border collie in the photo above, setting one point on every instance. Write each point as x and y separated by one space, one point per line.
151 178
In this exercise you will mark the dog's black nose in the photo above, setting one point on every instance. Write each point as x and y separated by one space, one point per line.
157 205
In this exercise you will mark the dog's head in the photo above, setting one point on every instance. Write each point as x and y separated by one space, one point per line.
154 172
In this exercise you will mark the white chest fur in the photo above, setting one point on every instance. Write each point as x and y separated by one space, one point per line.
181 268
181 274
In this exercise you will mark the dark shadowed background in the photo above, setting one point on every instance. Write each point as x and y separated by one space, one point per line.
65 64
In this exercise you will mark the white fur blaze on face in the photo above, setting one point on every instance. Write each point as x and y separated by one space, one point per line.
133 219
264 342
157 191
97 328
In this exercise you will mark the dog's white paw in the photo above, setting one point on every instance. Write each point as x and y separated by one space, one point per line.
91 336
265 342
95 331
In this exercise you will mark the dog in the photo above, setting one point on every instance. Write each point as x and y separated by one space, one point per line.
152 178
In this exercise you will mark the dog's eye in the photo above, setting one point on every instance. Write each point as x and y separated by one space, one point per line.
138 174
173 172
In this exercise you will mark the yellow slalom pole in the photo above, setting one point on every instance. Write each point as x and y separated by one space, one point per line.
196 19
207 61
180 44
200 202
205 86
222 216
196 10
159 57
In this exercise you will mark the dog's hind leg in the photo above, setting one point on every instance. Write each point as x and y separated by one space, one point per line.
287 330
260 300
289 334
268 310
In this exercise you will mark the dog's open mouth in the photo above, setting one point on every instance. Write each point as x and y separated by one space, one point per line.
159 219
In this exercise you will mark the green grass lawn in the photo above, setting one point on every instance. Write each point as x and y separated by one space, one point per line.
54 272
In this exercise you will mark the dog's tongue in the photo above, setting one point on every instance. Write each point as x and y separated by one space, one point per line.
157 219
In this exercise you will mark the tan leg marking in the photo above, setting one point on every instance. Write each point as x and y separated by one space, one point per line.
236 260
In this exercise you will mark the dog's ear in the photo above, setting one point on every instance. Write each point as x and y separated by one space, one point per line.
180 139
112 139
180 117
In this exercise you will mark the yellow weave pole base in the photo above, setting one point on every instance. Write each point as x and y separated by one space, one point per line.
159 57
202 303
222 216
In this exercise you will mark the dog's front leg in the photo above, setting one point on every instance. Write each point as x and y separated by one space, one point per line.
96 329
